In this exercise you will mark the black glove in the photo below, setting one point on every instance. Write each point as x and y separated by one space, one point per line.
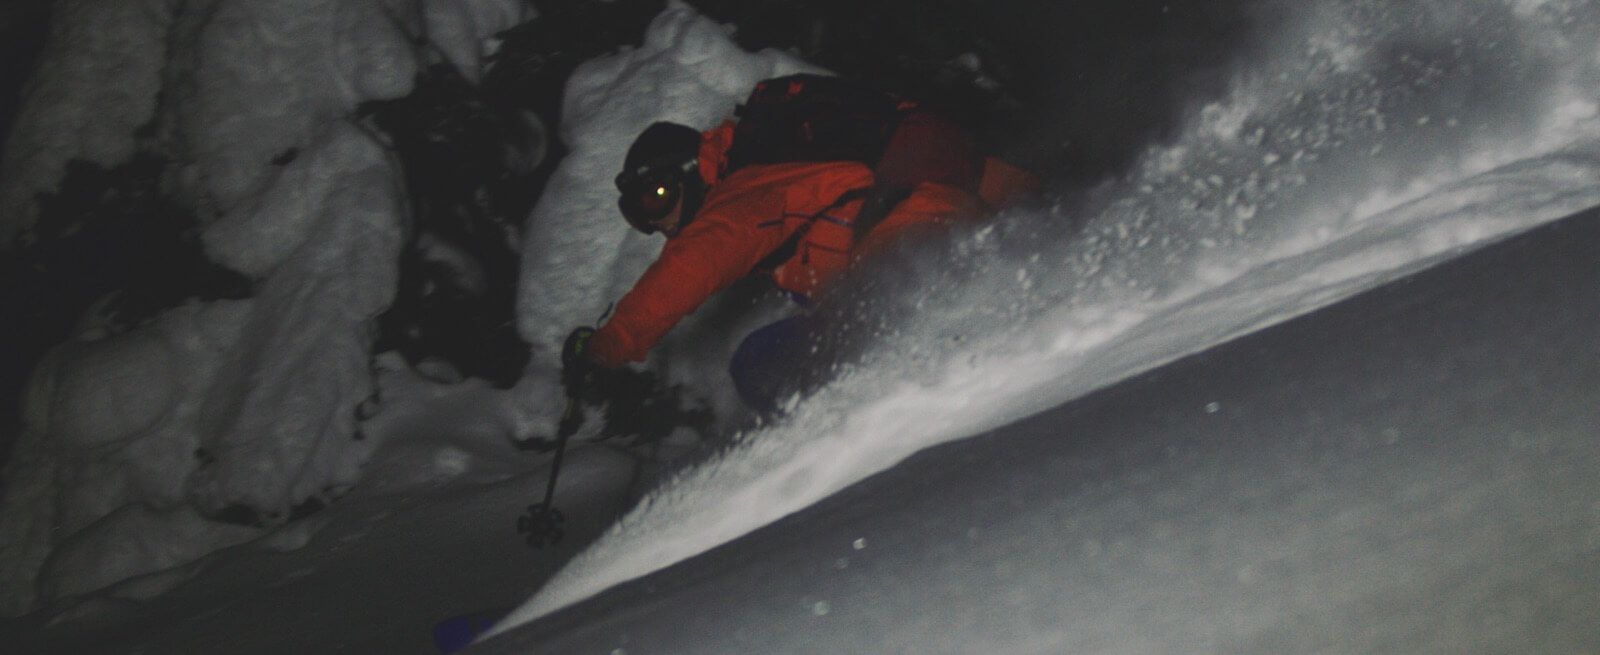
580 374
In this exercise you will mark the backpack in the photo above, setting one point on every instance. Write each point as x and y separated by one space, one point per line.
807 118
814 118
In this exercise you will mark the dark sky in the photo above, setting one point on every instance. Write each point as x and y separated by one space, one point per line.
1092 79
1088 82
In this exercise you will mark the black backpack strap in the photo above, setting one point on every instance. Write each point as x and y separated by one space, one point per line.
880 200
790 246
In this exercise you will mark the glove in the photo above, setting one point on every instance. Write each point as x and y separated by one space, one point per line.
579 374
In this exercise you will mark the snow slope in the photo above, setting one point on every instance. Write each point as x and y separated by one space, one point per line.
1411 470
1364 141
1367 141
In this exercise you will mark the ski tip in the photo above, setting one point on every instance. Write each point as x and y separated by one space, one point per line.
457 632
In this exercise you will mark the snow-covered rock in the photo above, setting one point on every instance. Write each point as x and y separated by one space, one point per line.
214 407
280 420
270 77
88 394
459 28
150 540
100 72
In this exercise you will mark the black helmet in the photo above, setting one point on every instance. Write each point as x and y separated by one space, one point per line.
661 167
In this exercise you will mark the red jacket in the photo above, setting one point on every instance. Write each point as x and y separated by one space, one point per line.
746 217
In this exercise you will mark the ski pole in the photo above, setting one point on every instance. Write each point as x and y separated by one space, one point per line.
571 419
543 524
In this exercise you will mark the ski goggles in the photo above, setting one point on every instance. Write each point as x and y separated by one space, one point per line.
651 191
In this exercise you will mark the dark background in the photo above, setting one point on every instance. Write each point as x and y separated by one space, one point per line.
22 34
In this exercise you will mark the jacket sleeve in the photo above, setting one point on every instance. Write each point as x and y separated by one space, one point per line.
720 246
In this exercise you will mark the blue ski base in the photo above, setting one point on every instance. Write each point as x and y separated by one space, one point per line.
456 633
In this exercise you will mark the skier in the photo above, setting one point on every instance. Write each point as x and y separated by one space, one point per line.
815 174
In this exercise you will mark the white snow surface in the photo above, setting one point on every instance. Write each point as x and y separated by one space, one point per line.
1371 140
129 438
105 59
460 29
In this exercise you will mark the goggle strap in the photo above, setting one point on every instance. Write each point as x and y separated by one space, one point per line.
629 177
